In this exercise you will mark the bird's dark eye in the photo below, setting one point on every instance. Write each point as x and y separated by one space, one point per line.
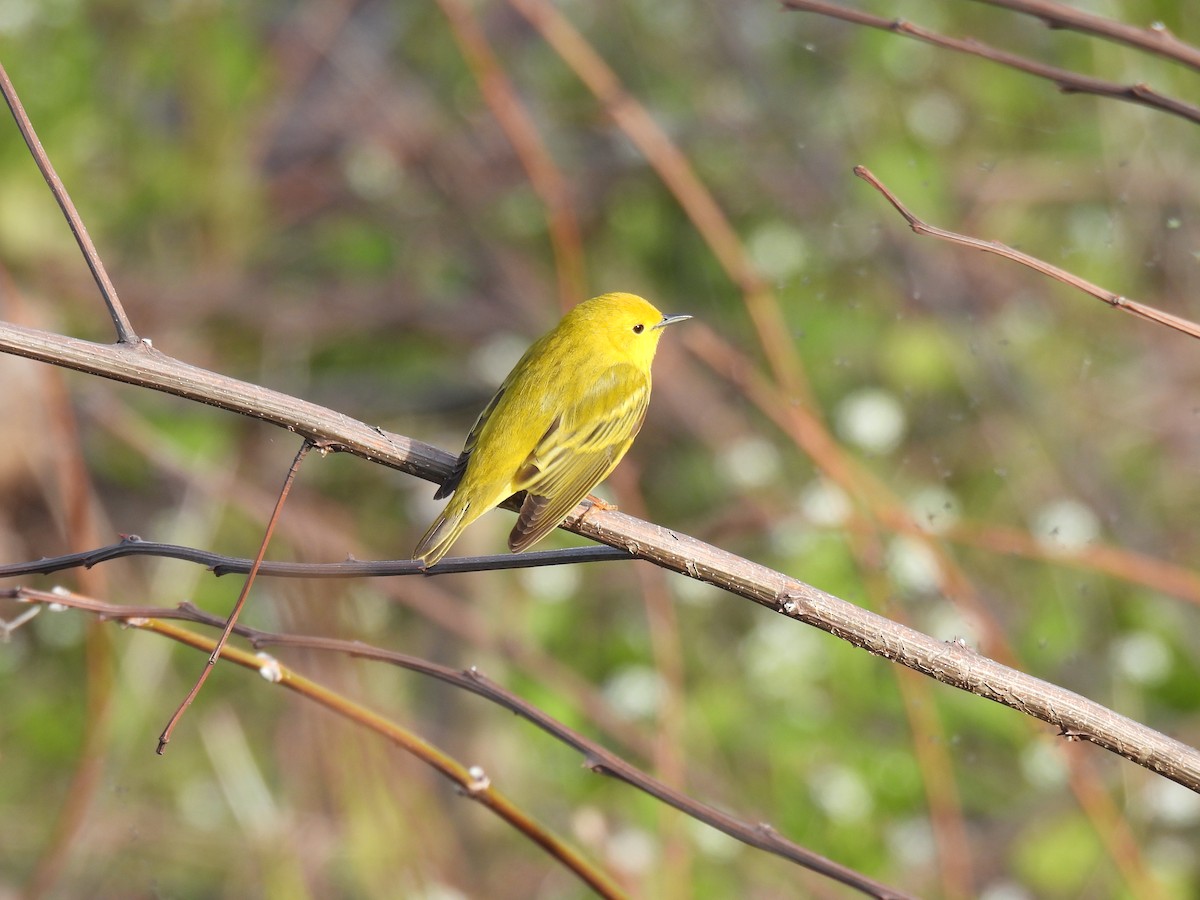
639 328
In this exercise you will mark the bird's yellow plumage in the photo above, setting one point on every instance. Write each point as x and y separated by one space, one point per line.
559 423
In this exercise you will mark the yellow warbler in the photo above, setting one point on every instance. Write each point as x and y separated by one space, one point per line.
559 423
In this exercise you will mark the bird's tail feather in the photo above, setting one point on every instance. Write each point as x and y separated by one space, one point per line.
442 534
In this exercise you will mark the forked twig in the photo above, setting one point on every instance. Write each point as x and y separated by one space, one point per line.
1186 326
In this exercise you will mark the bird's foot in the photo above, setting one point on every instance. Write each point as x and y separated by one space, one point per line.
597 503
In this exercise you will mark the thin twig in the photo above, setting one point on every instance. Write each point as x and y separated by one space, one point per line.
545 177
1118 562
598 758
165 737
473 782
125 332
1067 81
1156 39
1116 301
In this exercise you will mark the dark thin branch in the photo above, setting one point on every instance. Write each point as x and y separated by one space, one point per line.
1067 81
597 758
1156 39
125 332
1186 326
219 564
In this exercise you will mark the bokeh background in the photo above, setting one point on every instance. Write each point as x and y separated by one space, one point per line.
375 206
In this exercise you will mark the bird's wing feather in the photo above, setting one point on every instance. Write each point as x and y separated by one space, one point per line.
450 485
581 446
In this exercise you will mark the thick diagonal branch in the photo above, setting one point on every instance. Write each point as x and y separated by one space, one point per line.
952 663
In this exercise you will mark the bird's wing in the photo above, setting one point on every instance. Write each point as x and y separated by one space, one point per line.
581 446
450 485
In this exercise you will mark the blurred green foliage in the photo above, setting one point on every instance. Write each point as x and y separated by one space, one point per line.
317 197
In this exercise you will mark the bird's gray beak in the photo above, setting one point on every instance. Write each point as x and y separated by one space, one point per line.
670 320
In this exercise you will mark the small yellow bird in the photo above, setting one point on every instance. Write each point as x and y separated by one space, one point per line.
558 425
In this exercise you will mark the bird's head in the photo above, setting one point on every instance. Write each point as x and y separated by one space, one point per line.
631 325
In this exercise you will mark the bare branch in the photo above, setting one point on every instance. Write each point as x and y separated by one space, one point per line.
142 365
125 332
1067 81
1116 301
597 758
1156 39
473 782
951 663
